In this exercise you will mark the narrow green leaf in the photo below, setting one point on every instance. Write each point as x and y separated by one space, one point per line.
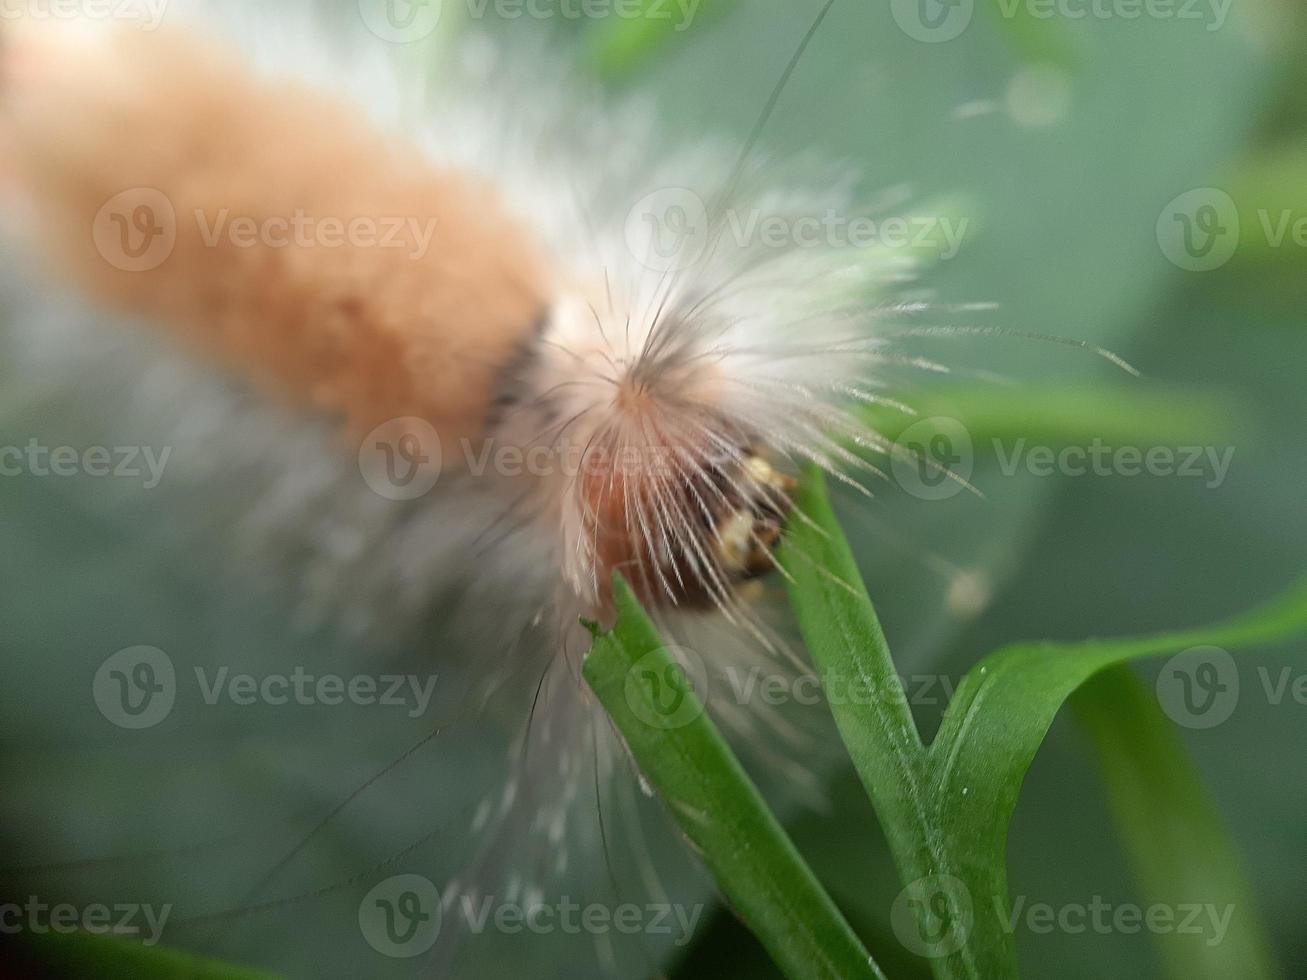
1003 709
1175 839
847 644
849 648
652 702
946 810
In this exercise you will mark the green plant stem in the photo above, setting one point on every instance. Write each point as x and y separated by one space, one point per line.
881 736
718 807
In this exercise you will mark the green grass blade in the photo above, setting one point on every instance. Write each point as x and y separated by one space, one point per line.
946 809
1176 842
715 803
1005 705
843 633
848 646
1003 709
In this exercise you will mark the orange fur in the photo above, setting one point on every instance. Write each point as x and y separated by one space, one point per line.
364 332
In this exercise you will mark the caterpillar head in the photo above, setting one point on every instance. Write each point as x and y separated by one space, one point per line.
678 431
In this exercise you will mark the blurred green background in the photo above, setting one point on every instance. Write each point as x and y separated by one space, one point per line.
1066 142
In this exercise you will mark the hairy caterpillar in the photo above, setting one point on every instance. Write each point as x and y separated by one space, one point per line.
507 291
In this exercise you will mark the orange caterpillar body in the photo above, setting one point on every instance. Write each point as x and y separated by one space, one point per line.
293 240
